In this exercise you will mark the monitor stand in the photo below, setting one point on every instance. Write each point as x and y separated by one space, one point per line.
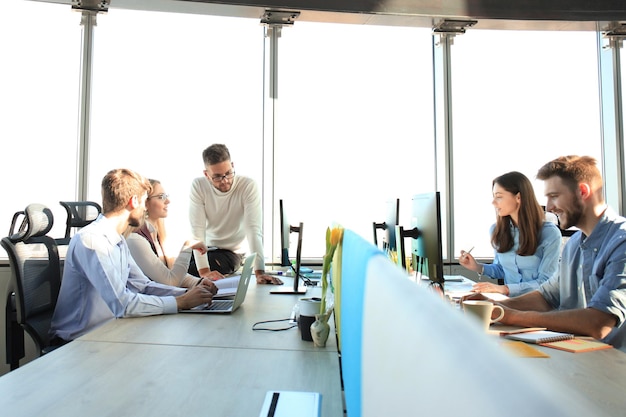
294 289
288 290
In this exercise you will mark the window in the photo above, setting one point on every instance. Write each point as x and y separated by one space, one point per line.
520 99
161 97
39 81
355 125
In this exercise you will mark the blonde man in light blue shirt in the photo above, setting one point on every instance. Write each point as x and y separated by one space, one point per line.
101 281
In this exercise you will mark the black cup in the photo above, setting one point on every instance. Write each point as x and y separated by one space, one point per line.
304 324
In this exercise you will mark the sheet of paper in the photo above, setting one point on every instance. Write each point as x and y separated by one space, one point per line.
227 287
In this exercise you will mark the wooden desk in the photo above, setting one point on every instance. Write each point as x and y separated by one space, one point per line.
599 376
127 379
184 364
219 330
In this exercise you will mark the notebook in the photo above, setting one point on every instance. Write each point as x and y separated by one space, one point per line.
540 336
578 344
228 306
227 287
291 403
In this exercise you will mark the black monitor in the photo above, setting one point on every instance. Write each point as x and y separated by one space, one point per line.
392 219
426 237
426 249
285 232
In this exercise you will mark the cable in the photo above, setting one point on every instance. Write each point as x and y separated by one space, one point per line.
269 329
307 281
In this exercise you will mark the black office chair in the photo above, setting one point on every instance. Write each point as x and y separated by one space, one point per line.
35 277
79 214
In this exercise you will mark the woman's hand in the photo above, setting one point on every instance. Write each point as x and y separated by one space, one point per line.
212 275
467 260
195 245
489 287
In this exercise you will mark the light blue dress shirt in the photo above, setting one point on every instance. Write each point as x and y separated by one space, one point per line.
525 273
593 274
101 281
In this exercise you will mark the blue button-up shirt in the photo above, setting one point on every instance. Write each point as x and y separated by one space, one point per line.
101 281
593 274
525 273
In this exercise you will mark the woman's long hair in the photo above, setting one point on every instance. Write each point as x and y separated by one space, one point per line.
530 217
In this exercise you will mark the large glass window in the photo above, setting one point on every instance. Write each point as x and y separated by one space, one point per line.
354 125
168 85
39 80
520 99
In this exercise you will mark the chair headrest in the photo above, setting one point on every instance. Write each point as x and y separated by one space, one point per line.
37 222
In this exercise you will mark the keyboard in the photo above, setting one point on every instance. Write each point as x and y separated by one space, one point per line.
312 275
220 305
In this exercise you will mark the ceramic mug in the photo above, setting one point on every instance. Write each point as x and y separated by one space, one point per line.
307 309
482 310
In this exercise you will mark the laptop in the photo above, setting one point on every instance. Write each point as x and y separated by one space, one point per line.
228 306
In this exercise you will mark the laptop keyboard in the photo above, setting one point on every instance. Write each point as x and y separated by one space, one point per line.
220 305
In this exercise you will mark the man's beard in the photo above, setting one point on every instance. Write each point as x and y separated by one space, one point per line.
573 215
134 221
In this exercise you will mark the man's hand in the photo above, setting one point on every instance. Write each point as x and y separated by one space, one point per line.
263 278
209 284
195 296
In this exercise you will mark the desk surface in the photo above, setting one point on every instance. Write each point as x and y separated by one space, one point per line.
219 330
598 376
199 364
126 379
182 364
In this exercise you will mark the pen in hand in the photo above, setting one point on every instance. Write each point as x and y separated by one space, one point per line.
468 252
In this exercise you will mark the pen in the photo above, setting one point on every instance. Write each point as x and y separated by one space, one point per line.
468 252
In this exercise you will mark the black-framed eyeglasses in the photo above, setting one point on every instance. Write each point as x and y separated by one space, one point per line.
219 178
162 196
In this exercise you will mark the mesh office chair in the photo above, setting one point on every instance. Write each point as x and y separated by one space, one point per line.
79 214
35 277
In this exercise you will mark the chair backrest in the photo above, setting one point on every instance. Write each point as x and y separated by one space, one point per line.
35 272
79 214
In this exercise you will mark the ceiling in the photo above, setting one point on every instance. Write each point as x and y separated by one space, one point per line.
489 14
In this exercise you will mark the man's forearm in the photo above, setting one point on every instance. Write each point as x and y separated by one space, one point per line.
532 301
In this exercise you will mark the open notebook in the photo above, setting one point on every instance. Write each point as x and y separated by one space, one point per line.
228 306
227 286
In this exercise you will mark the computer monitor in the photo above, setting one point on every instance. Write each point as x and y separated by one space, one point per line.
426 248
426 237
392 219
285 233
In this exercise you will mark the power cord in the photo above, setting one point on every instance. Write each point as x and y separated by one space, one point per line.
307 281
274 329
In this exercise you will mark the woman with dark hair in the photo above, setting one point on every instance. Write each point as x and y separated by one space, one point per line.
527 247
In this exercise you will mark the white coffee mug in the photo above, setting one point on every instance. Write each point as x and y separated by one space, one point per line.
309 306
482 310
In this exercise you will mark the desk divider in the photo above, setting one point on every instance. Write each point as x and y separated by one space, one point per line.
406 352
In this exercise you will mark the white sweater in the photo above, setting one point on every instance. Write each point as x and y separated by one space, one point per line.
231 220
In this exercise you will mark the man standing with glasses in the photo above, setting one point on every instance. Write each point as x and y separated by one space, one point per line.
225 212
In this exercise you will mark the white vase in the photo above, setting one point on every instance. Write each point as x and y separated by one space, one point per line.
320 329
